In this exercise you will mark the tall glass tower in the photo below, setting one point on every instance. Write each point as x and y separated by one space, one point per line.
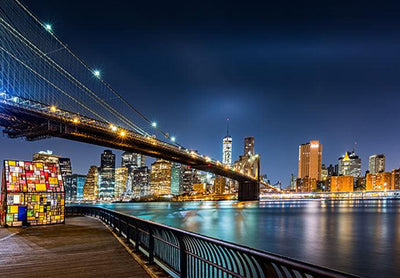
227 147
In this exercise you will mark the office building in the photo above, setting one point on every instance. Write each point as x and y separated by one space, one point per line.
175 179
121 176
341 183
160 177
90 188
249 162
74 187
349 165
306 184
333 170
379 182
219 185
396 179
107 175
141 182
310 160
376 163
132 161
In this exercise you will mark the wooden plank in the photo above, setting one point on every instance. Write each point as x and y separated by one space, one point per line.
83 247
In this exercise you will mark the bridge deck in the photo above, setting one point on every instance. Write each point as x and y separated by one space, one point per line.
83 247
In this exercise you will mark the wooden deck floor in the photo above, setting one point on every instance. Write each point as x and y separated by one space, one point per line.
83 247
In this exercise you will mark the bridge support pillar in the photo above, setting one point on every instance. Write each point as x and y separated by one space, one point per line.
249 191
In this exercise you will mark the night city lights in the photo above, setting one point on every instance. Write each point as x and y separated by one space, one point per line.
251 139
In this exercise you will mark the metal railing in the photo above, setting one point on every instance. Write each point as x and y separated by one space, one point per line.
187 254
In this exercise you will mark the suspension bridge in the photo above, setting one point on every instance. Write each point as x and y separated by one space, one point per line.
46 90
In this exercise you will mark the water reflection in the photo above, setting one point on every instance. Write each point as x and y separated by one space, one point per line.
357 236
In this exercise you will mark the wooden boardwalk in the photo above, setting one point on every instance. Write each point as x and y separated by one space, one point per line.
83 247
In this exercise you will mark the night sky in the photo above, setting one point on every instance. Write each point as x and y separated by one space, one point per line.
285 72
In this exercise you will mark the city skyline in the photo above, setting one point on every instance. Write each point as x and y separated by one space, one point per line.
247 83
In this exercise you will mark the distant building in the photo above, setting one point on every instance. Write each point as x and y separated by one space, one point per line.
199 188
379 181
74 187
349 165
219 185
65 166
341 183
248 146
141 182
160 177
396 179
248 163
306 184
121 176
310 160
175 179
107 175
333 170
293 182
376 163
90 188
188 177
132 161
227 147
324 172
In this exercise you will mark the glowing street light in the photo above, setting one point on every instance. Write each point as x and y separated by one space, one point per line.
173 139
154 124
122 133
76 120
48 27
97 73
53 108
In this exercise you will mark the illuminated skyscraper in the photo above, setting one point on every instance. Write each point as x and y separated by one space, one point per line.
132 161
227 147
350 165
141 182
248 163
121 175
310 160
90 189
74 187
376 163
160 178
175 179
107 175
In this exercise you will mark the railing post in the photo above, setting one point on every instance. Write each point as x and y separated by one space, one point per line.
127 229
137 237
183 256
119 225
151 245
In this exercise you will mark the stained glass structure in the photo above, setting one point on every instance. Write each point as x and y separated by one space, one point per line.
32 193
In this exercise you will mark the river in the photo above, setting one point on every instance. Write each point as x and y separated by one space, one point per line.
357 236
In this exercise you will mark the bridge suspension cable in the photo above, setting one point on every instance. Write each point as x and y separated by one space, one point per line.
105 83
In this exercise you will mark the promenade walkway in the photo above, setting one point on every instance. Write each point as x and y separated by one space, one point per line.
83 247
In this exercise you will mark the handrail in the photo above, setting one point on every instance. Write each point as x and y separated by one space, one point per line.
187 254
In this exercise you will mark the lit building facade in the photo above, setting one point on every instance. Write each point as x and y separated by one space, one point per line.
132 161
65 166
376 163
141 182
306 184
341 183
160 177
219 185
396 179
249 162
74 187
121 176
175 179
107 175
227 150
310 160
349 165
379 182
90 188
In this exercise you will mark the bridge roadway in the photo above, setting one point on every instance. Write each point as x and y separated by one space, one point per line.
83 247
34 120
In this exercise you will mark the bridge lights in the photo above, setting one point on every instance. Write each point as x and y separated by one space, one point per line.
48 27
122 133
113 128
154 124
75 120
53 108
208 159
173 139
97 73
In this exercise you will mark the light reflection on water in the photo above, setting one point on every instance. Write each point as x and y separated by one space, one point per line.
357 236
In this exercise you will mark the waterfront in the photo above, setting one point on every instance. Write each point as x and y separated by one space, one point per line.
356 236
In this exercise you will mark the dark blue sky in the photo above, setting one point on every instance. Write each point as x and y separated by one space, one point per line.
284 72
